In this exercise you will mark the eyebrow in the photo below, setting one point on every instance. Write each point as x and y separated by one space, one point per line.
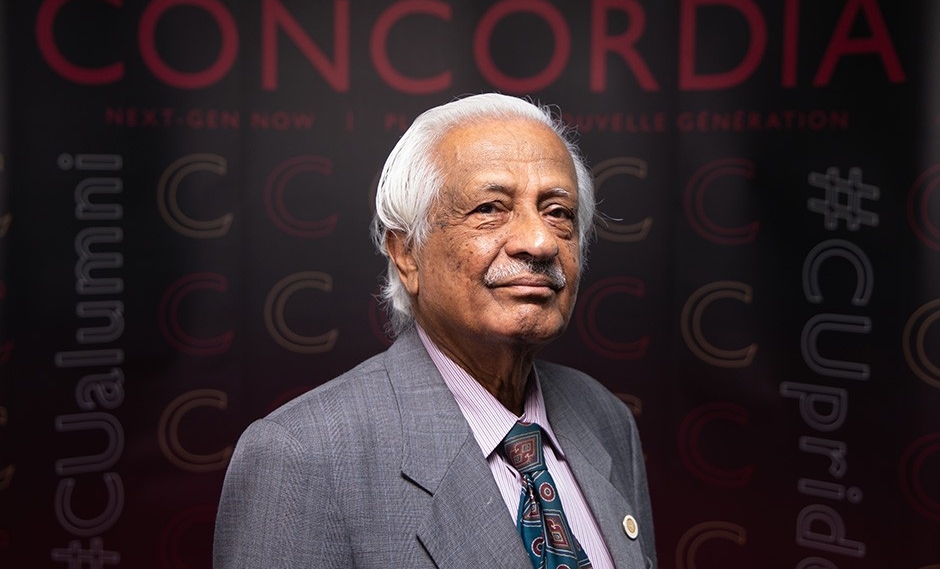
495 187
559 192
502 188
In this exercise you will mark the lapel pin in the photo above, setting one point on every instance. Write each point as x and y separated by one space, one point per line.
630 527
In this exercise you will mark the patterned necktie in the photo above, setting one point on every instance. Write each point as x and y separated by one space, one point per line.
541 521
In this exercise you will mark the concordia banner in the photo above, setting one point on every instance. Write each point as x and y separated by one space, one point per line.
185 195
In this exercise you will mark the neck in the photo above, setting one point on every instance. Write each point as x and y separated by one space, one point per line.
502 369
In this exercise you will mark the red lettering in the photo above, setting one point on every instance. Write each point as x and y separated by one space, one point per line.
541 80
688 78
619 48
223 63
45 37
274 16
878 43
379 42
622 44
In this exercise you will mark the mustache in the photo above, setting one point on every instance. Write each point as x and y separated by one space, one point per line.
512 268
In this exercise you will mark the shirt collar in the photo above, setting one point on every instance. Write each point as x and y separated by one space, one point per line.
489 419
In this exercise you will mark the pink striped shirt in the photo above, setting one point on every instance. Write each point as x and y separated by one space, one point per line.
490 421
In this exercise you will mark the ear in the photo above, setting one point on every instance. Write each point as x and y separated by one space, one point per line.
404 258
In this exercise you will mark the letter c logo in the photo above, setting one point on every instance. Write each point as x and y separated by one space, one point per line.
6 473
587 319
274 201
168 197
913 462
693 334
170 309
169 432
615 231
919 208
914 343
192 525
275 310
692 540
694 202
689 449
6 348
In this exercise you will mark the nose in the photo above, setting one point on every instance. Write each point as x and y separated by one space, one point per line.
530 236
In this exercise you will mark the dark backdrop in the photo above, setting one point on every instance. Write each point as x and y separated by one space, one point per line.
186 193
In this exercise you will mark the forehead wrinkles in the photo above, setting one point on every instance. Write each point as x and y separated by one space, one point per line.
469 154
495 142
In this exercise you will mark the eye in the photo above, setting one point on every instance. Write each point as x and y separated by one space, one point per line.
560 212
485 209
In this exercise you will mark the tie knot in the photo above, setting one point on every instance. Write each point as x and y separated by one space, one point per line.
522 447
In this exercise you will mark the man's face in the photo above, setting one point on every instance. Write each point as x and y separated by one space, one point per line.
502 261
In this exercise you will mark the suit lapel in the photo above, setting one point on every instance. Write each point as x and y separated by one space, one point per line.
592 467
467 522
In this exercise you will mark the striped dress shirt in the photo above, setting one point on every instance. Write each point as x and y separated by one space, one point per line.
490 421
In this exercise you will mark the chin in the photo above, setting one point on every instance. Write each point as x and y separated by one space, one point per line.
537 333
529 323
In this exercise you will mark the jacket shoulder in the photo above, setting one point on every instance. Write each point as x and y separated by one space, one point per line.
578 389
356 397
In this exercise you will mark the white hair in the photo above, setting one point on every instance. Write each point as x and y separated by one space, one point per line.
411 181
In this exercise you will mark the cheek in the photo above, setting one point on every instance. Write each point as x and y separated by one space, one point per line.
573 294
571 258
455 263
474 254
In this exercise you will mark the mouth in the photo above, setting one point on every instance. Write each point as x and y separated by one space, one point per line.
535 283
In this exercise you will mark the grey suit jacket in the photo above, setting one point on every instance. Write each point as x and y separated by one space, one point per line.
378 468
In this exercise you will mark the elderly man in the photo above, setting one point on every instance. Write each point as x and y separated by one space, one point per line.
456 448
